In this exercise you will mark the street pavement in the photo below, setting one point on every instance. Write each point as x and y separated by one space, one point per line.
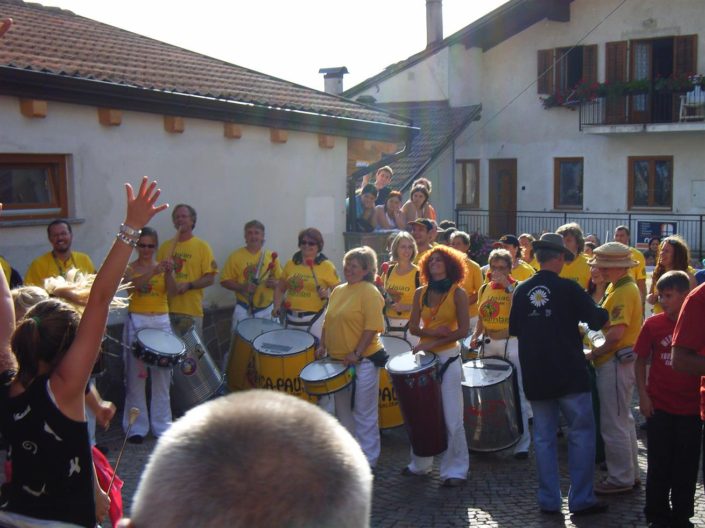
500 490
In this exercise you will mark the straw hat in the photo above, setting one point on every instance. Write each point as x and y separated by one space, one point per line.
555 242
612 255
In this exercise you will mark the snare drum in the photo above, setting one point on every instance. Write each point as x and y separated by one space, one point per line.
492 411
325 376
240 372
419 392
196 378
158 348
388 403
280 355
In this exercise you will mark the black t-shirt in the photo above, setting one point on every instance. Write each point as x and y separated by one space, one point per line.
545 313
382 195
52 466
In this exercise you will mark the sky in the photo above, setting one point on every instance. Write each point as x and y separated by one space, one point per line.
284 38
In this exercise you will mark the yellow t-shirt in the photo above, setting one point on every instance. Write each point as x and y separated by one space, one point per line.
473 281
534 263
150 298
48 266
578 271
352 309
192 260
301 288
6 269
623 303
639 271
657 306
401 288
442 315
494 306
241 267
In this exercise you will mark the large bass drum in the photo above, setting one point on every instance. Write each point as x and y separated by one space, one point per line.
196 378
419 392
240 371
492 411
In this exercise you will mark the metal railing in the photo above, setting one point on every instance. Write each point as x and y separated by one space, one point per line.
690 227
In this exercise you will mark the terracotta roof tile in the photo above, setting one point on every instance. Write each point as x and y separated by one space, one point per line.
56 41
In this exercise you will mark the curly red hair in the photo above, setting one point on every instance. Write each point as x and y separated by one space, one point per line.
453 259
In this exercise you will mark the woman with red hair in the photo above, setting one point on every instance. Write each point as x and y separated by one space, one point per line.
442 306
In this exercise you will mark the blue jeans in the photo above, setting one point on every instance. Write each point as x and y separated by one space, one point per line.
577 410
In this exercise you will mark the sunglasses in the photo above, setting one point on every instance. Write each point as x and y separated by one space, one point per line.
308 243
146 246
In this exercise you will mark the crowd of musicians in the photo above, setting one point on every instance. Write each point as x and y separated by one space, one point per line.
571 326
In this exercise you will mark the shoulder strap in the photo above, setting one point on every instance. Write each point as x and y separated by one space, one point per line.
417 280
390 268
482 289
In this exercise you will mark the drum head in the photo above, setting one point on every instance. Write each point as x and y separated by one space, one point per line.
405 363
322 369
251 328
160 341
486 372
395 345
283 342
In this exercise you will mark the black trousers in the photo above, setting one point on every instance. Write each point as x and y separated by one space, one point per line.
673 454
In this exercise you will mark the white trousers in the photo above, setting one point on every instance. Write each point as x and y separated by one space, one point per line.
240 313
394 329
136 376
455 461
615 385
362 420
509 350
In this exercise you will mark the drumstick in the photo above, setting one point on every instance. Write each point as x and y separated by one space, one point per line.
5 25
309 263
132 417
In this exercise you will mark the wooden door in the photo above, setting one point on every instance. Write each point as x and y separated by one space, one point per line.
502 196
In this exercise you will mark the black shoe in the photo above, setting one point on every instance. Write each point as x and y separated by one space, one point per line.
136 439
521 455
598 507
453 483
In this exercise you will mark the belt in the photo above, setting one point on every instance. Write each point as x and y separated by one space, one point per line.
301 314
497 334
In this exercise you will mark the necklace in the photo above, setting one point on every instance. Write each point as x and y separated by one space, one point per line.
434 309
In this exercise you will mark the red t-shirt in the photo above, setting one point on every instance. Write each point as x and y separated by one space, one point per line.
670 391
690 330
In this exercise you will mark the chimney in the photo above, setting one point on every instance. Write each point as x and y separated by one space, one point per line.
333 79
434 22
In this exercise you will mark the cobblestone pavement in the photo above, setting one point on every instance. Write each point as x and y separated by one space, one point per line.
500 491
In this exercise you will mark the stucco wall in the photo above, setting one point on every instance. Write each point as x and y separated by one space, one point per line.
287 186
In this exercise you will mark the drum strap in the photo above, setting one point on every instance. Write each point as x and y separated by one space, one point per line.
308 324
403 329
445 366
254 310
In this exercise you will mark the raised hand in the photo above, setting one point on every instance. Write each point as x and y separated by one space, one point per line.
141 208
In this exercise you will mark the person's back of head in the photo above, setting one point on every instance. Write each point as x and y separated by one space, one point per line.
255 459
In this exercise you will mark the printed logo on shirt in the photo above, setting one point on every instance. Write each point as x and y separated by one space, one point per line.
539 296
616 312
295 284
490 309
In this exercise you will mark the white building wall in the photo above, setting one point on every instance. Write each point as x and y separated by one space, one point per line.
287 186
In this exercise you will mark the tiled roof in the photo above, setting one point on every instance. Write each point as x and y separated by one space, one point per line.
54 41
439 124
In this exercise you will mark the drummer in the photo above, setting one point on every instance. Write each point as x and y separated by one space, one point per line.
492 331
305 284
148 308
439 316
400 282
252 272
351 328
460 240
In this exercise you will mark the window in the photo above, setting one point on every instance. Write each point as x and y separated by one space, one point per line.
467 183
568 183
572 66
651 182
33 186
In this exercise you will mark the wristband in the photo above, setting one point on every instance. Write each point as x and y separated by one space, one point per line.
130 231
122 237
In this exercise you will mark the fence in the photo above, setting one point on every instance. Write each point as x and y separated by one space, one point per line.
690 227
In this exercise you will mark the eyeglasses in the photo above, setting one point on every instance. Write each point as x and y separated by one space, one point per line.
308 243
146 246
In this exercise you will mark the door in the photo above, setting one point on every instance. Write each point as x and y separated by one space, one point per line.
641 70
502 196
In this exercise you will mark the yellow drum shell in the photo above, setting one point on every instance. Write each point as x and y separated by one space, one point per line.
325 376
389 412
280 355
240 372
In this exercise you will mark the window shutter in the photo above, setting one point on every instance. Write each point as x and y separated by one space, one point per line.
590 63
545 71
616 61
685 54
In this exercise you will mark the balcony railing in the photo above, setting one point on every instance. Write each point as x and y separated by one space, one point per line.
690 227
644 108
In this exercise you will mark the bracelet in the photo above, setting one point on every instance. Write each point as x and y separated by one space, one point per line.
130 231
122 237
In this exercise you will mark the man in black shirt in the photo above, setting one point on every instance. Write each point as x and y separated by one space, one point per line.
544 317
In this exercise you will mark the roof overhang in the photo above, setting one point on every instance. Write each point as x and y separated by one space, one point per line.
53 87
